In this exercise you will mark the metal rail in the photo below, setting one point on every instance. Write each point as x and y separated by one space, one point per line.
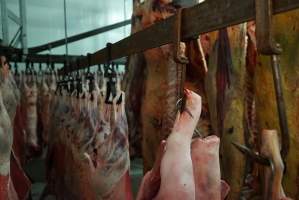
208 16
78 37
16 55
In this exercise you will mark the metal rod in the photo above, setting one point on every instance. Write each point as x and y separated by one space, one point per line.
14 17
4 19
78 37
125 17
16 36
16 55
280 106
17 41
58 59
23 17
205 17
65 32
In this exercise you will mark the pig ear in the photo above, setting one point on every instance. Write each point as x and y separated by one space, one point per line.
224 189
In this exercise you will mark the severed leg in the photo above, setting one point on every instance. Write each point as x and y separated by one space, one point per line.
151 182
177 180
270 148
206 167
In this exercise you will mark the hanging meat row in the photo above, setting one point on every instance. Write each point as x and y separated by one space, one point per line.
239 106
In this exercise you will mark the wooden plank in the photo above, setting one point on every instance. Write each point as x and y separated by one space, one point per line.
206 17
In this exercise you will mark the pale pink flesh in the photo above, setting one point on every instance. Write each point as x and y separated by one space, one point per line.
152 180
177 179
206 166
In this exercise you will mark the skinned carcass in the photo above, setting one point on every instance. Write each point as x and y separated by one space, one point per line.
225 84
133 85
29 92
89 157
6 137
8 104
46 92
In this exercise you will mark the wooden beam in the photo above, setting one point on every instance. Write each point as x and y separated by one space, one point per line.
78 37
208 16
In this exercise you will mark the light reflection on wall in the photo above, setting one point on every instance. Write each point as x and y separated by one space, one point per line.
45 22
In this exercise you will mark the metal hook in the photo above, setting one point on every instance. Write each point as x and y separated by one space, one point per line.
27 68
89 59
16 68
178 57
109 47
252 155
52 66
266 43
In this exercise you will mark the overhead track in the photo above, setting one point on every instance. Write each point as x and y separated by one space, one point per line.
78 37
16 55
205 17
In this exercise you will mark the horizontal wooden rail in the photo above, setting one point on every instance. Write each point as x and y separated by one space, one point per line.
208 16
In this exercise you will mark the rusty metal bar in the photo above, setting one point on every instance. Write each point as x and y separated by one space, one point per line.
281 107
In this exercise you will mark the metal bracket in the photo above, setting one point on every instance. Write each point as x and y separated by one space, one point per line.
264 161
252 155
178 57
266 43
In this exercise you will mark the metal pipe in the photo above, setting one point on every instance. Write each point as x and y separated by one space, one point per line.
65 32
16 36
16 55
17 41
23 16
78 37
4 19
285 137
125 17
14 17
